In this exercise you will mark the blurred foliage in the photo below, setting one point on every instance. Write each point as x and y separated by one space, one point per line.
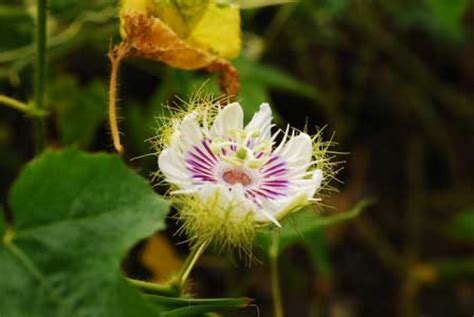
394 79
305 224
462 226
78 117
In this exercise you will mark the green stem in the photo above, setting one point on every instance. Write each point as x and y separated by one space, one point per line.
15 104
193 302
40 74
276 290
153 288
192 311
188 265
20 106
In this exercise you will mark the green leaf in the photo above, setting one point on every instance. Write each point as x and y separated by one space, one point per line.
80 110
315 244
304 223
252 95
447 17
443 19
19 25
462 226
273 77
76 216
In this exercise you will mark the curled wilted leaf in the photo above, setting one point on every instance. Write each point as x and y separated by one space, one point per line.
150 38
206 24
185 34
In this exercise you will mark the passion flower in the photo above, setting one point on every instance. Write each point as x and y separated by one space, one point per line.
228 179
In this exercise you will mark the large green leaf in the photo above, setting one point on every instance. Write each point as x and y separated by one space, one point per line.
76 215
304 223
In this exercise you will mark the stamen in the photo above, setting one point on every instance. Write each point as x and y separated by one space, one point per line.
242 153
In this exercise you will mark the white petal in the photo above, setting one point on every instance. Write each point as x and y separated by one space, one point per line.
317 178
208 190
270 217
175 141
291 205
310 186
280 208
228 199
261 121
229 118
190 132
282 143
236 199
173 168
188 191
298 150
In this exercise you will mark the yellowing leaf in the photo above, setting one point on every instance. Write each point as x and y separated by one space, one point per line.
151 38
218 31
142 6
172 18
201 24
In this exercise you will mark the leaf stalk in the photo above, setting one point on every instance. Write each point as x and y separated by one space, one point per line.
275 281
190 262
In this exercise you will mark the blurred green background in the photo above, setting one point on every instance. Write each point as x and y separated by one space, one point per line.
394 80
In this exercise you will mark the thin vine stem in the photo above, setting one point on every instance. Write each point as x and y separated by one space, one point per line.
188 265
275 280
20 106
153 288
40 74
115 56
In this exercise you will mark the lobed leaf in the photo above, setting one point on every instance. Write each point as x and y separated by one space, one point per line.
76 215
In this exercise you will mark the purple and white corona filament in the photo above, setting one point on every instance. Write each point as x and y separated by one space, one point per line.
239 172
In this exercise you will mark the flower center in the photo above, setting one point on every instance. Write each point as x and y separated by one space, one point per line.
242 148
236 176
